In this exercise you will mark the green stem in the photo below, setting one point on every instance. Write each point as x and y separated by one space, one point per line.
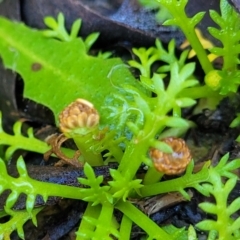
208 98
106 223
143 221
177 184
200 92
152 176
31 144
130 161
139 145
85 147
188 29
197 46
125 228
91 211
27 185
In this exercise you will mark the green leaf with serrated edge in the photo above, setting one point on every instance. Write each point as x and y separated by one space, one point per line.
63 68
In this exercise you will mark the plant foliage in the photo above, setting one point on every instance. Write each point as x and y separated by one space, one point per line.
134 117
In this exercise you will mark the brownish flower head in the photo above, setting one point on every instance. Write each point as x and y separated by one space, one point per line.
80 114
171 163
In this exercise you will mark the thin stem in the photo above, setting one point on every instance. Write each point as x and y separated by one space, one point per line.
177 184
131 161
125 228
143 221
188 29
106 223
89 155
200 92
91 211
152 176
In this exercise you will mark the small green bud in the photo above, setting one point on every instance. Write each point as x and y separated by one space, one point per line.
213 79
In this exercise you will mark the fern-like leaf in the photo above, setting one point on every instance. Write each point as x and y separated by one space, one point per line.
95 193
16 222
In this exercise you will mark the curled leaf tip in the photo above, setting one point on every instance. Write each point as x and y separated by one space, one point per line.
80 114
171 163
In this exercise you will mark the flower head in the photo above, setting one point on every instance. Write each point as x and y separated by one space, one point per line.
78 117
171 163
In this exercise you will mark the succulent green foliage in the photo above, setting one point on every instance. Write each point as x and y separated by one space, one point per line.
16 222
157 112
95 193
147 57
144 222
125 228
95 142
187 25
103 226
121 186
22 184
45 63
144 111
20 141
226 226
31 187
225 80
229 34
58 28
59 31
189 179
144 105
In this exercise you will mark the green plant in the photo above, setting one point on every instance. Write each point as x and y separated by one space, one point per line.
223 81
124 117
